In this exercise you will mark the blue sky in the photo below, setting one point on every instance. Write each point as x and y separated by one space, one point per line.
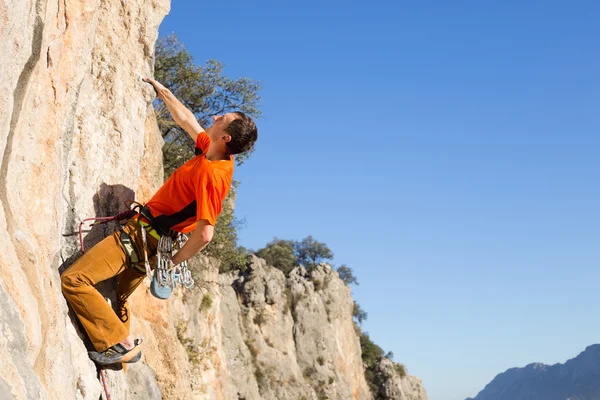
446 151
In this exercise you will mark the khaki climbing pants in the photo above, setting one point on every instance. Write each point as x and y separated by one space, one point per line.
105 260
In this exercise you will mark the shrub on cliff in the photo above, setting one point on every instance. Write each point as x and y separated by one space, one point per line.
308 252
280 254
358 313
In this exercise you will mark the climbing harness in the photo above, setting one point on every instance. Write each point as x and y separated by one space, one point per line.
166 275
127 243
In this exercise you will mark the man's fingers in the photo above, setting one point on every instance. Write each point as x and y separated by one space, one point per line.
158 88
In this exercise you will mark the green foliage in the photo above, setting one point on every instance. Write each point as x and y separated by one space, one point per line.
279 254
204 90
260 318
206 303
196 354
286 254
311 253
347 275
370 351
318 285
400 370
358 313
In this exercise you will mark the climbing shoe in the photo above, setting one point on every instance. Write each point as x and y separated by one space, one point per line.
117 354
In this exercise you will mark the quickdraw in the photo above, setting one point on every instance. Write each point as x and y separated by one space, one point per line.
168 273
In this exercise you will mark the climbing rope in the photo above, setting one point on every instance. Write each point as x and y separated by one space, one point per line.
103 220
168 275
103 378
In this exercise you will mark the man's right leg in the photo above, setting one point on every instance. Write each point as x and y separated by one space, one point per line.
101 262
129 280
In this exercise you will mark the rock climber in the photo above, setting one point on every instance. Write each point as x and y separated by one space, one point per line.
188 202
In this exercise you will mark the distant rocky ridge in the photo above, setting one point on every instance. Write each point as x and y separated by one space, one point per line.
576 379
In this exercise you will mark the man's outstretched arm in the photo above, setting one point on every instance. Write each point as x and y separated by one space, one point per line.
184 117
201 236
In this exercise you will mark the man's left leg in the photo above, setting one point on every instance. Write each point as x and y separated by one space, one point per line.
106 331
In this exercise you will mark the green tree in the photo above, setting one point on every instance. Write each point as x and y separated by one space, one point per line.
370 351
280 254
286 254
358 313
347 275
311 252
206 92
202 89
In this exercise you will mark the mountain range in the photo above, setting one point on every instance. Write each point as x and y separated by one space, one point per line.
576 379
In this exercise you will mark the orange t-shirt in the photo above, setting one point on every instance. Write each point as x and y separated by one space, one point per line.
195 191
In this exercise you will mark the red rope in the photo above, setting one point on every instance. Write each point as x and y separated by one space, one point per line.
103 220
104 383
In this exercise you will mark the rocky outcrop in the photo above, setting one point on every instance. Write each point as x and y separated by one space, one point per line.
293 337
393 383
576 379
78 138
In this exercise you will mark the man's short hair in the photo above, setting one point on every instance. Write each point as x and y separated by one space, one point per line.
243 134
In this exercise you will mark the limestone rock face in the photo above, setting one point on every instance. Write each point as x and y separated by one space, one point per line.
76 140
393 386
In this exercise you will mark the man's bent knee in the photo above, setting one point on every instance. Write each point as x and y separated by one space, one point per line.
71 280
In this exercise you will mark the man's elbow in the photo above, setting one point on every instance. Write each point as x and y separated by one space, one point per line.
207 237
206 234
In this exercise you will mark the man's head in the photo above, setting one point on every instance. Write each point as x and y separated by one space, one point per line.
235 130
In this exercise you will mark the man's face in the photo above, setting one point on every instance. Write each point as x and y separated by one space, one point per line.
220 122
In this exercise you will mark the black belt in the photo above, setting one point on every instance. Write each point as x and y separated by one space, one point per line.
145 212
